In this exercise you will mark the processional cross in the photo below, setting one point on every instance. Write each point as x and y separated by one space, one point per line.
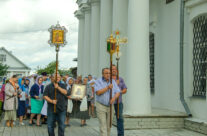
113 47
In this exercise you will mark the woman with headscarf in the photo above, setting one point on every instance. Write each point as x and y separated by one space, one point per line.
26 90
36 94
21 102
12 90
91 97
78 112
69 83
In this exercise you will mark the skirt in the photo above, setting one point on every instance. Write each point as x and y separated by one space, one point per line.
21 108
27 103
36 106
10 115
76 113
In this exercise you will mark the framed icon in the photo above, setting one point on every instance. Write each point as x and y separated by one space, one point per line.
57 36
78 91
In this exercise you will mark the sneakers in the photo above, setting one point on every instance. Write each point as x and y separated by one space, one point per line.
21 124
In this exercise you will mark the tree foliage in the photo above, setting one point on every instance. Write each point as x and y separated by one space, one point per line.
3 69
50 69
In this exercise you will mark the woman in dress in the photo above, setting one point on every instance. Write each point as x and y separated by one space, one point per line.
21 102
69 83
91 98
36 94
11 101
26 90
77 112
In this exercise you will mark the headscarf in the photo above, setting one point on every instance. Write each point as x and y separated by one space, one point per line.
37 82
20 83
92 81
13 84
68 85
25 81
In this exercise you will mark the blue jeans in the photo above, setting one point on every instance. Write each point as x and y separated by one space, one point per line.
120 121
52 118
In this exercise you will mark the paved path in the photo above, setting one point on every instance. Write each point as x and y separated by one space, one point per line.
91 129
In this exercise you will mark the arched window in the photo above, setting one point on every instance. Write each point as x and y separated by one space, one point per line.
199 55
152 60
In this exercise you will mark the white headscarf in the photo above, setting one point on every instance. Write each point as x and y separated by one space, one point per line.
92 81
68 79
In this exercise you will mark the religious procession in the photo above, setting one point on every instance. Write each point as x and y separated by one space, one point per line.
103 68
43 100
47 99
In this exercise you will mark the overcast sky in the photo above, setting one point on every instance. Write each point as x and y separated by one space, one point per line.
24 30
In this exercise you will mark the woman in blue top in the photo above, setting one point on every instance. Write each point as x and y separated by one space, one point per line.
26 89
36 94
21 101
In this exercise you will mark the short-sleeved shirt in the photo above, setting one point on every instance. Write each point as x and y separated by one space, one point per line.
105 97
122 86
61 98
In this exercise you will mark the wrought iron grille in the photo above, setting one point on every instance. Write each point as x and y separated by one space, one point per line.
199 56
152 59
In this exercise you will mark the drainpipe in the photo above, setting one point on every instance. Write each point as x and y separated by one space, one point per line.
182 99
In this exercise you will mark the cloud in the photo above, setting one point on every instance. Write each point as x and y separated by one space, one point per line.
24 30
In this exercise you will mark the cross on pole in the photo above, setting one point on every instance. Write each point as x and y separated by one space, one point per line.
118 42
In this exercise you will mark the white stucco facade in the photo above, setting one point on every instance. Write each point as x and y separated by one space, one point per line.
135 19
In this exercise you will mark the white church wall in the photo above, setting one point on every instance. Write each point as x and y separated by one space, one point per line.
167 30
165 24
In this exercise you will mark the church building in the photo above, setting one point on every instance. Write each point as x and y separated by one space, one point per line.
165 59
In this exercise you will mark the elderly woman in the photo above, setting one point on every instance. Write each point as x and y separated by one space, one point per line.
77 112
11 101
69 82
21 102
36 94
91 97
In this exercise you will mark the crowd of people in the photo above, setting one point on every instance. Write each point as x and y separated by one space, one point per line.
35 98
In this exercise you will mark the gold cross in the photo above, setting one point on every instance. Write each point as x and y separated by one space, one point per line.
120 40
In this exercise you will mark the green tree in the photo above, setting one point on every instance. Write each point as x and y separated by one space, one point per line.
3 69
50 68
65 72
